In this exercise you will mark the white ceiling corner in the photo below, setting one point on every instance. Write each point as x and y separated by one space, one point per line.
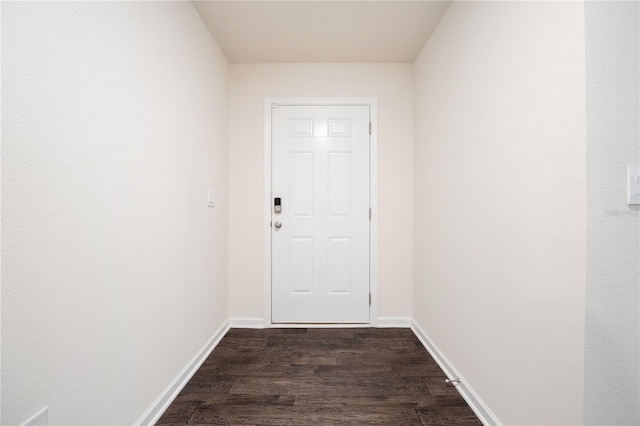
321 31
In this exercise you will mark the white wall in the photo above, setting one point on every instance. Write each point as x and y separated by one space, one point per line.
499 184
612 341
114 273
249 85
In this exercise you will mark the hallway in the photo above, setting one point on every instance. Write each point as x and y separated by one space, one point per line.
138 226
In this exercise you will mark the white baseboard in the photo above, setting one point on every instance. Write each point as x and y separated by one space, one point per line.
394 322
486 416
158 407
246 322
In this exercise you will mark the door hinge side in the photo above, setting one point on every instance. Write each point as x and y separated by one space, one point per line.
369 128
369 299
369 213
271 224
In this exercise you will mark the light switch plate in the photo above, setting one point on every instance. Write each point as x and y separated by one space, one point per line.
211 198
41 418
633 184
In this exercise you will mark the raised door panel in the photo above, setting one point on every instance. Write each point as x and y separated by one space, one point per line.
301 182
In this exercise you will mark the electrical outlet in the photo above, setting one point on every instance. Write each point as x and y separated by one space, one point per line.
41 418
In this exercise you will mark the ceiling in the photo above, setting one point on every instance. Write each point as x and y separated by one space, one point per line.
321 31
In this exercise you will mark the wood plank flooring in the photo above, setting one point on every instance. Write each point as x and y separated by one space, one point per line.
356 376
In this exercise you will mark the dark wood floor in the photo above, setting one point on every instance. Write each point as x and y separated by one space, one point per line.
359 376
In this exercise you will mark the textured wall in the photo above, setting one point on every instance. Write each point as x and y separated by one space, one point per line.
499 269
612 342
114 124
392 85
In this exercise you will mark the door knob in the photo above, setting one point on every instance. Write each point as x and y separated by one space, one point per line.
277 225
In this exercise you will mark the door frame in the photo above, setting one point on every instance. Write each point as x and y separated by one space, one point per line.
372 103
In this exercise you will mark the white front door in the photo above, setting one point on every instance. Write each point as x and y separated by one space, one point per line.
320 238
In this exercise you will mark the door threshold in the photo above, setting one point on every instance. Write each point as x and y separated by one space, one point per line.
319 325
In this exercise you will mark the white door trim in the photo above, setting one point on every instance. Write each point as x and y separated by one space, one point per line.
372 103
